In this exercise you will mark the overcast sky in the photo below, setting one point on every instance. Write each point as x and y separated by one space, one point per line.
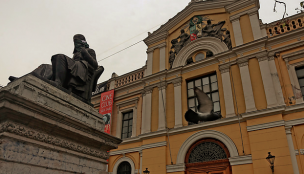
31 31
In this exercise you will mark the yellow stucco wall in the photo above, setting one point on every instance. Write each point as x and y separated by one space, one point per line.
170 113
237 90
246 29
257 84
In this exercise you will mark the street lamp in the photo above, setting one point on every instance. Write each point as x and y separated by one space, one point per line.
146 171
271 159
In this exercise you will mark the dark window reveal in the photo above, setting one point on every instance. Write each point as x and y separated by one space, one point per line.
300 75
127 121
124 168
209 85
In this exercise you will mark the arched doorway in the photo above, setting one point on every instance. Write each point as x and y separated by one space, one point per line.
208 156
124 168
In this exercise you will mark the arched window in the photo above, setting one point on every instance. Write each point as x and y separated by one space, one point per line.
124 168
208 155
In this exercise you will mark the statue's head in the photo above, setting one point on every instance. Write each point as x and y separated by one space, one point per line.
182 31
209 22
79 37
79 43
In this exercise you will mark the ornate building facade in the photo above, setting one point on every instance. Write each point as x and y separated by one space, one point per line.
252 72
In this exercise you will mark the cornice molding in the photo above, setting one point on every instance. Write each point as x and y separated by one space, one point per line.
251 11
127 102
137 92
21 130
240 160
285 37
293 56
152 39
176 168
256 44
138 149
161 45
265 125
272 52
237 5
225 67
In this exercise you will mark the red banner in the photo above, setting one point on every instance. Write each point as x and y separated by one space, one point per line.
106 103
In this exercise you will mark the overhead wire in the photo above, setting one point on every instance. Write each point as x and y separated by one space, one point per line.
123 43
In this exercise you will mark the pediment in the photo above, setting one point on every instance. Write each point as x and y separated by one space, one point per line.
188 12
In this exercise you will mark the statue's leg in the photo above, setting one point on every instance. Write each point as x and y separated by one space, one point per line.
60 68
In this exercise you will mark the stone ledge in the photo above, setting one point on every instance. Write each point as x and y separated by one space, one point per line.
240 160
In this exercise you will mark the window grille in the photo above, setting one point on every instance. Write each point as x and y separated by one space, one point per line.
127 121
207 151
209 85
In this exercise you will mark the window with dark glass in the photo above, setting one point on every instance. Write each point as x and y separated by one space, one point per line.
124 168
209 85
300 75
127 121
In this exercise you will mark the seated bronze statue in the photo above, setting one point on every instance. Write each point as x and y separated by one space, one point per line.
78 75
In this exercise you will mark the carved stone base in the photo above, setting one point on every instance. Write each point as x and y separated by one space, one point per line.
44 130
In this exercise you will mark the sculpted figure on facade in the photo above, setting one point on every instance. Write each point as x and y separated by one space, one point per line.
74 74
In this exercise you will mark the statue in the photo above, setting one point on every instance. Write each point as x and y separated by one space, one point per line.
227 39
212 29
74 74
171 58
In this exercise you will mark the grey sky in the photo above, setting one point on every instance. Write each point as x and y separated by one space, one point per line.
31 31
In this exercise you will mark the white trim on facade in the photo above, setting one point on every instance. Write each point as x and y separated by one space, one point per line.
266 125
123 159
207 43
206 134
240 160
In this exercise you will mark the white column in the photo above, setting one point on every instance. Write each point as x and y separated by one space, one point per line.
162 58
148 113
227 92
276 81
149 63
143 114
134 124
255 25
162 107
292 150
267 82
140 168
247 87
237 32
178 104
118 123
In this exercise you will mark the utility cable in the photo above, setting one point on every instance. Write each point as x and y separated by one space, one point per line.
237 109
125 42
120 51
167 129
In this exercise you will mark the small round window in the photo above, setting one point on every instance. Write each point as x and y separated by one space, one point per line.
199 57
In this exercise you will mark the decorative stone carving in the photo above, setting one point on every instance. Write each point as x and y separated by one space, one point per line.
197 30
189 61
43 137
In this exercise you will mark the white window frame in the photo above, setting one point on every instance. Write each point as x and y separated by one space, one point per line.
124 159
292 72
133 101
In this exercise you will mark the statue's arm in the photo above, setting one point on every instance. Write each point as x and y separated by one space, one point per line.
90 57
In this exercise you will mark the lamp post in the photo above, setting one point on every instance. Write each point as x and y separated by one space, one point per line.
270 158
146 171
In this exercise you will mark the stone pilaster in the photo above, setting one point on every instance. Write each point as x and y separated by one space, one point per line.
225 71
149 63
255 25
292 150
237 32
178 103
162 106
267 82
147 111
276 81
247 86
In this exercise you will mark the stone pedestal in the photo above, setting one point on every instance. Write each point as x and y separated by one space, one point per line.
45 130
